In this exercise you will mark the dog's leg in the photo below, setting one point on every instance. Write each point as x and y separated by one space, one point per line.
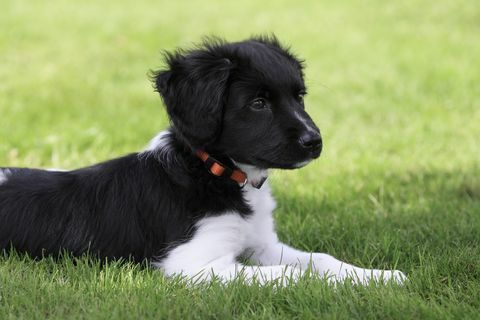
212 252
264 248
273 252
280 274
227 269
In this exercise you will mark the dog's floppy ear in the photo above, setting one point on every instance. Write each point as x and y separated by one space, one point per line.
193 88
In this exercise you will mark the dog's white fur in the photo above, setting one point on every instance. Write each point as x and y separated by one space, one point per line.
3 175
219 240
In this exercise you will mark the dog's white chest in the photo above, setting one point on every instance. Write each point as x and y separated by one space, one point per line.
260 200
225 236
260 224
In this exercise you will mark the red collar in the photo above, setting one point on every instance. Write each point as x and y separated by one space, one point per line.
220 170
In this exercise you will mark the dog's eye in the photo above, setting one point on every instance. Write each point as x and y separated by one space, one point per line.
301 96
258 104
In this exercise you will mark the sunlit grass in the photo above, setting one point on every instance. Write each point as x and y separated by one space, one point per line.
392 85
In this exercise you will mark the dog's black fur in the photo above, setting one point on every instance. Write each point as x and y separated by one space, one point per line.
240 102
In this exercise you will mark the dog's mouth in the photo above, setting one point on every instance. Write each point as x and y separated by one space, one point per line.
289 160
269 164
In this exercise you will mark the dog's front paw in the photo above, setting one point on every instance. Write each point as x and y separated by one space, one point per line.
398 276
384 276
366 276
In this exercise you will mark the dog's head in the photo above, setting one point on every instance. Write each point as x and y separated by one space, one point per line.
243 100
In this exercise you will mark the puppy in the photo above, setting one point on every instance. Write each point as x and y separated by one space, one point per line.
197 199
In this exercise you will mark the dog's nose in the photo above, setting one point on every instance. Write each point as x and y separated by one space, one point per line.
311 141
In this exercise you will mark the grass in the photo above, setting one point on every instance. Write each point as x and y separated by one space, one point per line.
394 86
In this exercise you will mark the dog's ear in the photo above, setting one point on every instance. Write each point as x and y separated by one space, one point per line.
161 79
193 88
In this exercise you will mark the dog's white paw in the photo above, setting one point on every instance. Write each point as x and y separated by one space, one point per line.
382 276
366 276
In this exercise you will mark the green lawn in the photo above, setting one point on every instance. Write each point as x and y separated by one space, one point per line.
394 87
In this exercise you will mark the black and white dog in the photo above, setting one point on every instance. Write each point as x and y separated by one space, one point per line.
196 199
